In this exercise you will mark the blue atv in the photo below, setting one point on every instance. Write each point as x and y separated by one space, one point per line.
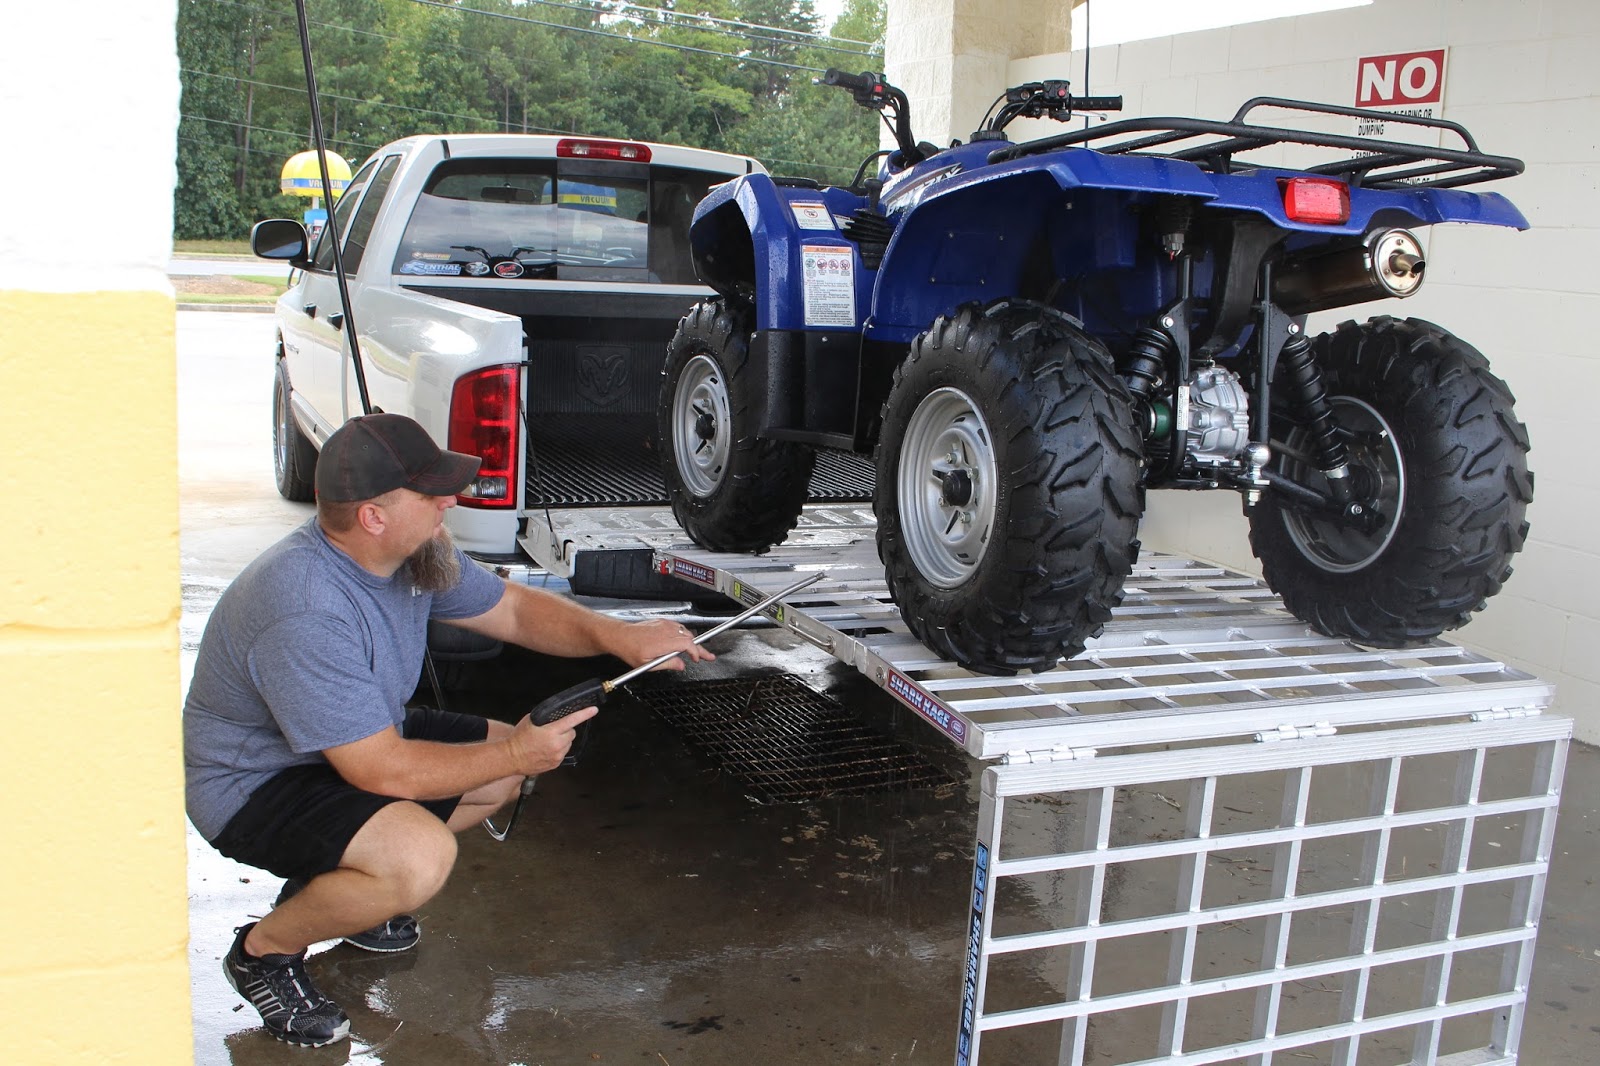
1029 336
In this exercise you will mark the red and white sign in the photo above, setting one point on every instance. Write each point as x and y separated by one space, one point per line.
1402 80
1406 83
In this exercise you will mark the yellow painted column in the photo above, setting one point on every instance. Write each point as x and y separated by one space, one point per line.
93 900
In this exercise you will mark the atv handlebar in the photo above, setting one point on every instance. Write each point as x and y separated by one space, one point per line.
856 83
1097 103
875 94
1044 99
868 88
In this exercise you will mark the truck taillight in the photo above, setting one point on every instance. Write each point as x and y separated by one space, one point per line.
626 151
1316 200
483 422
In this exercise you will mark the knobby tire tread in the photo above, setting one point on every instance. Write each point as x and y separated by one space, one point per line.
1069 455
766 483
1468 489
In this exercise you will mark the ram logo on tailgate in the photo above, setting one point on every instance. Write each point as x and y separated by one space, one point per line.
602 373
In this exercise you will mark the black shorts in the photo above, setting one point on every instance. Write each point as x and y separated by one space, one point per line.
299 823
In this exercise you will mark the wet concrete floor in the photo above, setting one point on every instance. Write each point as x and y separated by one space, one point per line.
645 910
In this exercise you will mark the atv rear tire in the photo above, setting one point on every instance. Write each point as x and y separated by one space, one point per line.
730 490
1008 487
1433 429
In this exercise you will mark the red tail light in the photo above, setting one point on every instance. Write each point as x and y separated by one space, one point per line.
1317 200
626 151
483 422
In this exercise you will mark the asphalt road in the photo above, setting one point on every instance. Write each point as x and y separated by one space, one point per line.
189 266
228 508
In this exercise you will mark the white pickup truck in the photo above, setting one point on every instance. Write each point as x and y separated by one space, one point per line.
515 295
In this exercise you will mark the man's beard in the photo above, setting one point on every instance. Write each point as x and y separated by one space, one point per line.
435 566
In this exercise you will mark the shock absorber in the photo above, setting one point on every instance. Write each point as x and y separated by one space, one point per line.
1144 371
1304 380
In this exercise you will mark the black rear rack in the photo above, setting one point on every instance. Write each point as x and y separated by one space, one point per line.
1376 164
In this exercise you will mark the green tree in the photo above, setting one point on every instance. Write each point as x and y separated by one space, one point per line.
816 131
212 130
391 68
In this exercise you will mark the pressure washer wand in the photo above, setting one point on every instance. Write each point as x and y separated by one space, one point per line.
594 693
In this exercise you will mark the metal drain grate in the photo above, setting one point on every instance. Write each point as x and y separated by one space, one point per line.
787 743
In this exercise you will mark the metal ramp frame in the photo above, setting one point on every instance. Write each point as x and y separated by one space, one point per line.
1201 681
1343 954
1195 652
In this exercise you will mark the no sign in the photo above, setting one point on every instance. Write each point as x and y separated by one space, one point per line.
1405 79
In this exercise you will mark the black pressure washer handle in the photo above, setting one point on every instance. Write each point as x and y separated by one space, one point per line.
552 709
570 700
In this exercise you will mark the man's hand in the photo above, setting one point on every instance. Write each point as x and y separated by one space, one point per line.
538 748
639 642
554 625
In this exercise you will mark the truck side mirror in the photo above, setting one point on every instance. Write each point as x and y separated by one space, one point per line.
280 238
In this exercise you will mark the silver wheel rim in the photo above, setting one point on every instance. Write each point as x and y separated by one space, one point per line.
1334 546
701 426
947 487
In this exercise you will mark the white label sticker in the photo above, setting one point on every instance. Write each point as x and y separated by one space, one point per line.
811 215
829 285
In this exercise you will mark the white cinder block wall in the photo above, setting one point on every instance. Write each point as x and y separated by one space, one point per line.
1525 80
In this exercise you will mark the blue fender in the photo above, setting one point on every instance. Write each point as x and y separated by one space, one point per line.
966 237
967 231
748 245
964 227
1261 192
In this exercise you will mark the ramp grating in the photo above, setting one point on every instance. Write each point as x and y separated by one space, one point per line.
613 460
787 743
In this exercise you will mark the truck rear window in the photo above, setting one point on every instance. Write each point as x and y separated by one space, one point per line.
541 220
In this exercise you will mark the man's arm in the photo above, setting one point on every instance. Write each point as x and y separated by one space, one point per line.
390 765
555 625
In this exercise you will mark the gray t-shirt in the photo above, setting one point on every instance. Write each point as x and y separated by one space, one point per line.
305 651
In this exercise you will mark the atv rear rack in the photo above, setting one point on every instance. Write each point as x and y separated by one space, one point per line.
1379 164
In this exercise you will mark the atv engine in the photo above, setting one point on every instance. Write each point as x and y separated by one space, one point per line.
1218 421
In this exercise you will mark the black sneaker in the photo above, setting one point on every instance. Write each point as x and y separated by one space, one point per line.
399 933
278 986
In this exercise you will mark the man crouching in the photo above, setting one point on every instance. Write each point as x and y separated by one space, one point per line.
301 756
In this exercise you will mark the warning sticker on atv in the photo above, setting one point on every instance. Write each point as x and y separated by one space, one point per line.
808 215
830 289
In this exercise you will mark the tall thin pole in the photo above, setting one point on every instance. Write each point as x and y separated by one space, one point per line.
327 192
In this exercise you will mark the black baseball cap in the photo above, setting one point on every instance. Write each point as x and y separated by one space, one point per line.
374 454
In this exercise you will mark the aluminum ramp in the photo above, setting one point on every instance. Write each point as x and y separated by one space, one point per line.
1195 652
1217 835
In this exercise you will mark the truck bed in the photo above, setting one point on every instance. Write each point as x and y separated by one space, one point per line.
578 460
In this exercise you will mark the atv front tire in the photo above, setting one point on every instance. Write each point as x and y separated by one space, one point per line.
1009 489
730 490
1432 431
